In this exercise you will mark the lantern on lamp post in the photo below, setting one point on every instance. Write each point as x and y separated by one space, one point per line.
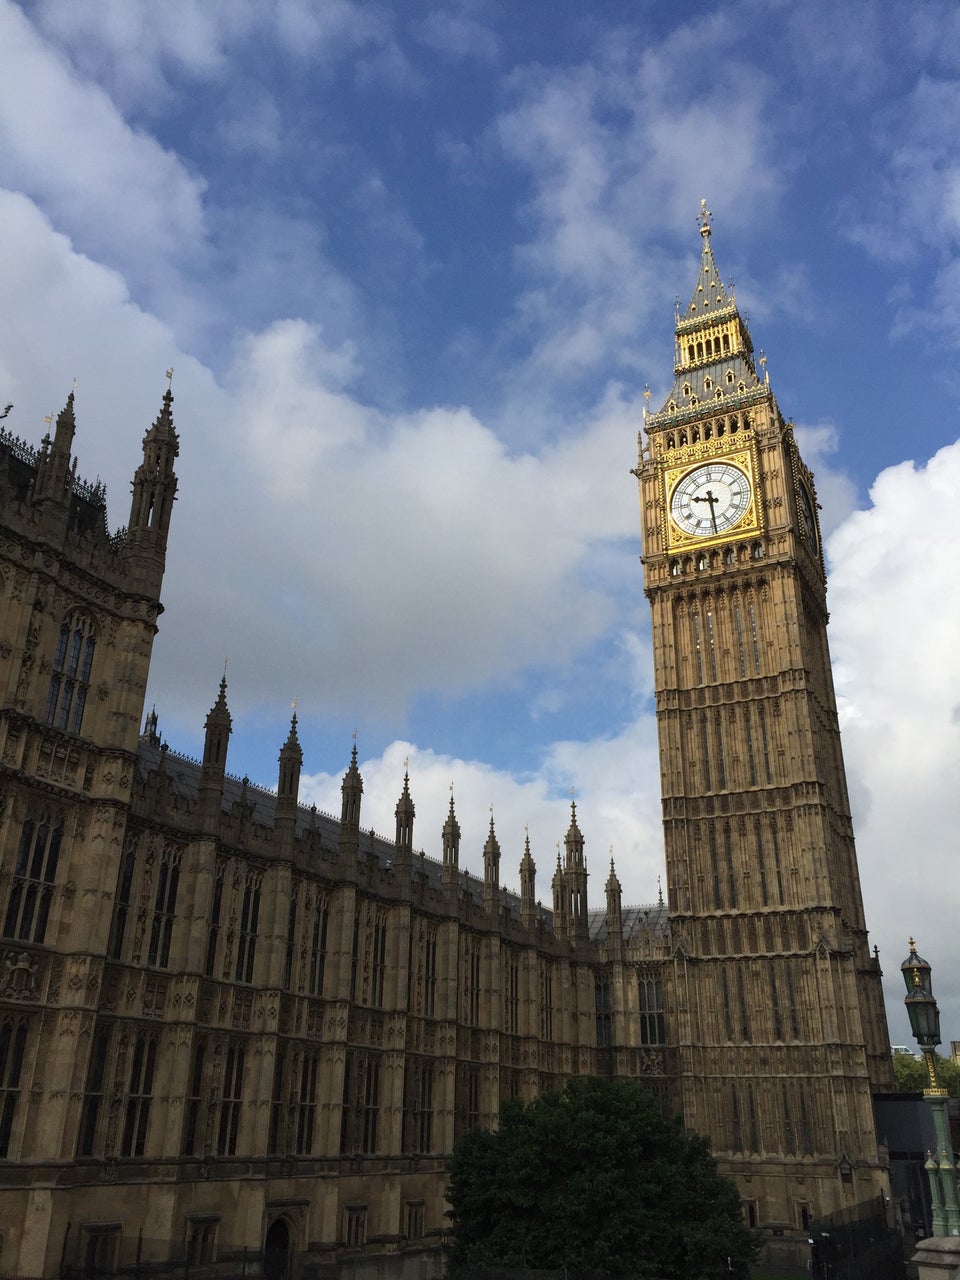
924 1018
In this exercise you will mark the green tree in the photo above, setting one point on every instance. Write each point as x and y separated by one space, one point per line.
911 1074
594 1178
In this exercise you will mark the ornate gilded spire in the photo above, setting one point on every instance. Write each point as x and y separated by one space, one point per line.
709 295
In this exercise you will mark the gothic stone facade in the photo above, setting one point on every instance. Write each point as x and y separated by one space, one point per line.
229 1024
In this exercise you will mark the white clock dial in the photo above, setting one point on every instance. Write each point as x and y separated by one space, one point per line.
710 499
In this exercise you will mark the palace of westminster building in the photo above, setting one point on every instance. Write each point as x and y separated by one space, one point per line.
233 1025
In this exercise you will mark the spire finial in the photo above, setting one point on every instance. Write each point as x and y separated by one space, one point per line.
704 220
169 376
659 892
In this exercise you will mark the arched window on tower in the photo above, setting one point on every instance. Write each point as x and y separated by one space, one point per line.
70 681
652 1023
34 877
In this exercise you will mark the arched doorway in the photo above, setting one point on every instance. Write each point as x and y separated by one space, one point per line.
276 1251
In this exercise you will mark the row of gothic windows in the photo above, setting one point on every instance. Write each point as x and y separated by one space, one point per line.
717 428
740 554
653 1030
710 633
708 348
787 1120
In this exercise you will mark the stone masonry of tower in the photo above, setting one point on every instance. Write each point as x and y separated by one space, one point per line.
775 1011
232 1027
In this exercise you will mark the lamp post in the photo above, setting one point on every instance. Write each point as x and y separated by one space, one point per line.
925 1025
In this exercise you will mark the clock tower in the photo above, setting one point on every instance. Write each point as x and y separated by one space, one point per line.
778 1018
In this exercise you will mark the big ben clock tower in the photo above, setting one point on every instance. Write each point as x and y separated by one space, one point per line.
778 1019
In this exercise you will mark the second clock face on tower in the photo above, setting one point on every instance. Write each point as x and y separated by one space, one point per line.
710 499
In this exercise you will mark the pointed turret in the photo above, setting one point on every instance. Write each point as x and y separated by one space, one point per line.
576 877
288 785
451 848
491 871
614 909
561 901
154 493
405 811
351 790
528 887
217 730
151 730
53 481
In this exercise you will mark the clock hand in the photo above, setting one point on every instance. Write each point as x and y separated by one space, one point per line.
710 498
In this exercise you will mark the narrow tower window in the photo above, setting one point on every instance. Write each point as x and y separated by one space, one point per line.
70 681
247 941
13 1043
121 905
721 766
696 645
139 1096
756 640
318 947
738 623
601 994
34 876
213 932
713 650
705 753
164 907
751 762
231 1102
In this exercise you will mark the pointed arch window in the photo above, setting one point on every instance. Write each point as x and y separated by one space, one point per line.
94 1091
34 877
121 902
231 1102
318 947
139 1096
249 923
652 1022
164 908
13 1043
601 992
70 681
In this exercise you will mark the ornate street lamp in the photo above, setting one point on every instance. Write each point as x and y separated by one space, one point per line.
925 1024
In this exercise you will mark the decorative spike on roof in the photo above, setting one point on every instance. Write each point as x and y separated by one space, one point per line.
492 845
709 294
451 826
292 742
405 803
66 420
220 710
163 428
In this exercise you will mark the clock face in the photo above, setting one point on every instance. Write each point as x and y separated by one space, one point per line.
710 499
809 519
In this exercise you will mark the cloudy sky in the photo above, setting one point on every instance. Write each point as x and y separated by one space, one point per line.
413 262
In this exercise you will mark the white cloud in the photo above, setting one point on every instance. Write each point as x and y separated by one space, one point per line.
116 191
140 52
614 781
458 34
895 602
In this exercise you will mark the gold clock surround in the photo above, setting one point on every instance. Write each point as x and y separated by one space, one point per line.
690 459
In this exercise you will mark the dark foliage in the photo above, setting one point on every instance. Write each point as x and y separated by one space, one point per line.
594 1178
912 1076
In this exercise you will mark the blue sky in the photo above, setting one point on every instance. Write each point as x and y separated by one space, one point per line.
413 264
